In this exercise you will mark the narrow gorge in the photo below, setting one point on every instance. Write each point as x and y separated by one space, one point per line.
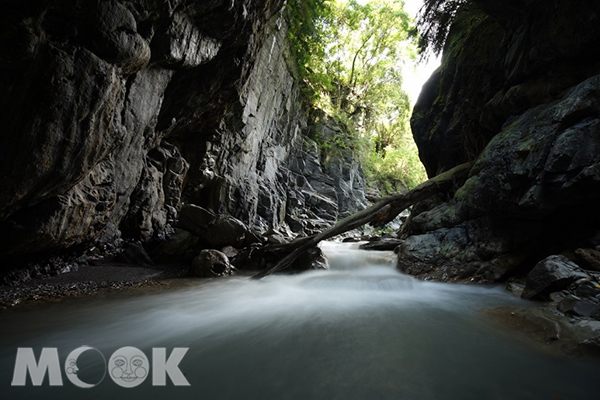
148 140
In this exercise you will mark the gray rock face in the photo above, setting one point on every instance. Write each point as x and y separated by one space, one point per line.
443 123
121 110
312 203
85 95
535 185
215 230
552 274
134 254
544 166
500 61
344 169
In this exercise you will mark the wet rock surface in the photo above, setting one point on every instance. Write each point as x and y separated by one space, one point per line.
552 274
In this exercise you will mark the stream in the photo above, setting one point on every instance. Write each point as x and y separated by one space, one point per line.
361 330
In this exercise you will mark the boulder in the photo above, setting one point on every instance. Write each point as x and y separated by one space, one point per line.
230 251
210 264
573 305
551 275
180 247
310 260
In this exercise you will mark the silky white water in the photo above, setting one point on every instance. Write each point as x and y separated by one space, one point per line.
361 330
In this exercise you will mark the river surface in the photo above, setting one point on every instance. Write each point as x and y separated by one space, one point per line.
361 330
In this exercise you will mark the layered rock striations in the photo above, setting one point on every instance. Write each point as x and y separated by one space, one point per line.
117 112
518 92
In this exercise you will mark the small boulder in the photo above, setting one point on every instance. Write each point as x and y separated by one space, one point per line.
210 264
550 275
230 251
515 288
311 259
573 305
588 289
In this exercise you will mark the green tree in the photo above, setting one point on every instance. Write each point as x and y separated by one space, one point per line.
350 59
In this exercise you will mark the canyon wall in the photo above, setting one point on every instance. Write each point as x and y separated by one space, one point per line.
118 112
518 92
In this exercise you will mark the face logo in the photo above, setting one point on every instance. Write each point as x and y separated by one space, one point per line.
72 366
128 367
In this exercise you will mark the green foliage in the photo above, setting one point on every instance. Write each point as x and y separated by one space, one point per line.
399 169
350 58
335 136
306 19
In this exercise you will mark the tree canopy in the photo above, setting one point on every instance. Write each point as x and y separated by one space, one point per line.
350 57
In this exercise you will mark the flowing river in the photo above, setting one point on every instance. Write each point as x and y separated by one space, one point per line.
361 330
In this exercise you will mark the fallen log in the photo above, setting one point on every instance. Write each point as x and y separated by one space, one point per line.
380 213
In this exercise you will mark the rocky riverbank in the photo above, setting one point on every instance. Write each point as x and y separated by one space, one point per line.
549 330
569 320
90 280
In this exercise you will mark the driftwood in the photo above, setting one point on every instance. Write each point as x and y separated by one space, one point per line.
380 213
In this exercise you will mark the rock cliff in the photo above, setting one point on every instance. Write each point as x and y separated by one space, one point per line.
117 112
519 92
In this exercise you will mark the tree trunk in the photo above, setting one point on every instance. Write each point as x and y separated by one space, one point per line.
382 212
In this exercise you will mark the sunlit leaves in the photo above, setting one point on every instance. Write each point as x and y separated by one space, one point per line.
350 57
